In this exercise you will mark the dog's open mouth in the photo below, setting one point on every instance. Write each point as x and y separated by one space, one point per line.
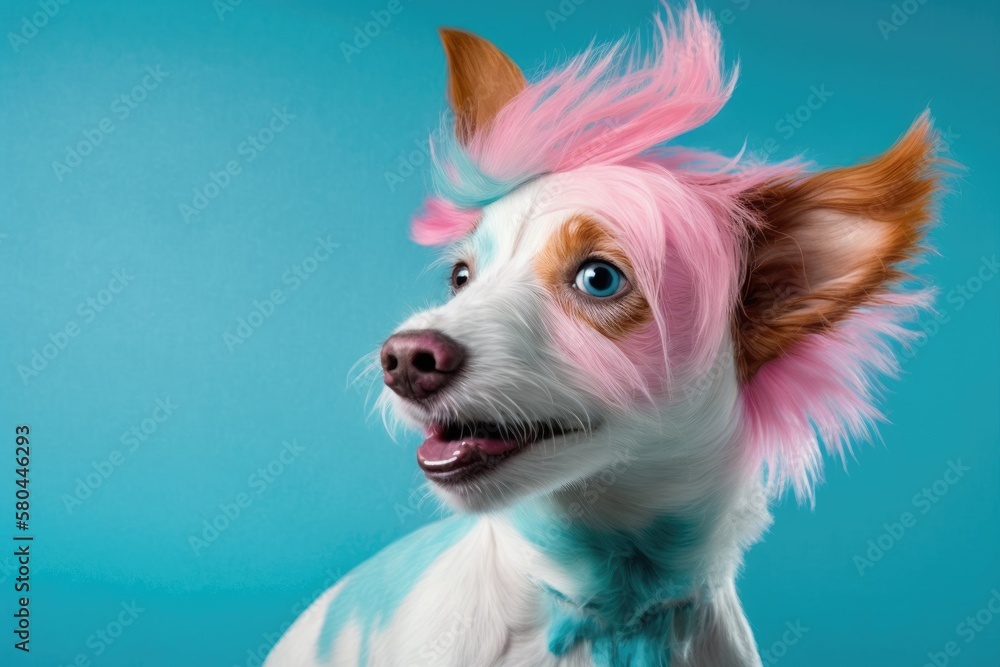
455 451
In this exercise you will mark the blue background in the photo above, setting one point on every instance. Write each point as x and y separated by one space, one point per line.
352 490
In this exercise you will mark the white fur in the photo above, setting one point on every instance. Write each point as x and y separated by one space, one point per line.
482 601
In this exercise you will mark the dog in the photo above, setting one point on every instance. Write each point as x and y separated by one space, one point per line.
644 346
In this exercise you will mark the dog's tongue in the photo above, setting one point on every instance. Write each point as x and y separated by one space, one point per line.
439 455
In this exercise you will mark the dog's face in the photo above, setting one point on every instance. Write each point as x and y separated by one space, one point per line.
550 357
631 307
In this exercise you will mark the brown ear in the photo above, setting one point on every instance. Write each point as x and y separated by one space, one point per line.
481 80
830 243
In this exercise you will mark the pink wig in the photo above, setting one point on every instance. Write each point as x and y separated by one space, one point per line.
610 110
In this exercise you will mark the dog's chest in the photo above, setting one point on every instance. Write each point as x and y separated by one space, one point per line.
464 592
453 593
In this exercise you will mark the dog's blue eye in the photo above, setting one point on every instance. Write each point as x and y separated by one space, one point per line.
599 279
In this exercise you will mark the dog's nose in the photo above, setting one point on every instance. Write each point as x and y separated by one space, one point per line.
418 364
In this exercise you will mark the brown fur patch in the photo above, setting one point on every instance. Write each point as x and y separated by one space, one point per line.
481 80
579 239
831 242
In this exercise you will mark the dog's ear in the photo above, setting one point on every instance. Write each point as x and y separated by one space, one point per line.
481 80
829 243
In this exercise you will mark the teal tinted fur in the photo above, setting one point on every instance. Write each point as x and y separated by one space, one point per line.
467 186
629 575
484 246
374 590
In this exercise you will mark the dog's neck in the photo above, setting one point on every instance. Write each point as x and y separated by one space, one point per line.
652 534
615 576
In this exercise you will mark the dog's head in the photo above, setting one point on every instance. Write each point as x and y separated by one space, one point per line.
613 301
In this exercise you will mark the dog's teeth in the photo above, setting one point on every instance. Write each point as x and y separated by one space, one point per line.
526 432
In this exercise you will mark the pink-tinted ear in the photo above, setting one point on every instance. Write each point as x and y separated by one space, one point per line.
830 243
481 80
